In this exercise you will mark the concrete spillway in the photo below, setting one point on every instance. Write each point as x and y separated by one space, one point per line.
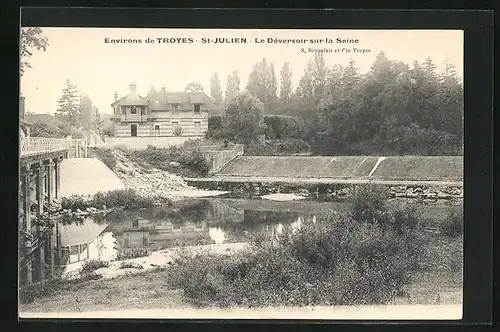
87 176
401 168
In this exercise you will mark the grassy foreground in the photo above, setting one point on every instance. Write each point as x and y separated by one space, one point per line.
376 254
150 290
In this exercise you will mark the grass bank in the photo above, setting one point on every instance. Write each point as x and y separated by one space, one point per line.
374 253
151 290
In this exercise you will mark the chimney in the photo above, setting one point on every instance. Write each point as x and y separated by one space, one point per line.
116 96
21 107
132 88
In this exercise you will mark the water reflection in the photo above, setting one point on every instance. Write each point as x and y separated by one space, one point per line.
123 233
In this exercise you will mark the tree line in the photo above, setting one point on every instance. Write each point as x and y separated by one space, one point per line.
394 108
75 113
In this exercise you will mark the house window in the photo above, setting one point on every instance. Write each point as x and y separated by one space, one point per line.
135 223
177 226
124 110
133 110
157 130
197 108
175 108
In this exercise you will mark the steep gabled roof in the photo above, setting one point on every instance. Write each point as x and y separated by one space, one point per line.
162 100
131 100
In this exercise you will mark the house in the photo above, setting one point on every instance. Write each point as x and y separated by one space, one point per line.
161 114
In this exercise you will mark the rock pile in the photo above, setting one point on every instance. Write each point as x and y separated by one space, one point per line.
426 192
154 184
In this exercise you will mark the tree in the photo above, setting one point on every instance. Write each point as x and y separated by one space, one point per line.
68 105
244 118
98 122
163 89
232 87
152 90
31 39
285 83
262 83
319 76
215 89
193 87
86 110
42 129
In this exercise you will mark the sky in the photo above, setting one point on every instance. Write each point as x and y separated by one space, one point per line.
99 68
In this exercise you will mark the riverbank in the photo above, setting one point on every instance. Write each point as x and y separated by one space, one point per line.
147 295
158 259
143 285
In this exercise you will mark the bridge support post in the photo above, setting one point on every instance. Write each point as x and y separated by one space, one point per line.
50 193
57 170
26 224
40 252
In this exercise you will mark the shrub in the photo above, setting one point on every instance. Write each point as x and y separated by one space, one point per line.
133 253
106 156
278 148
126 198
453 223
405 216
177 131
281 127
368 203
189 156
337 261
29 293
92 265
109 131
75 202
130 265
214 122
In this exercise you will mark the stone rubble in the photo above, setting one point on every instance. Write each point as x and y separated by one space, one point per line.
152 182
155 184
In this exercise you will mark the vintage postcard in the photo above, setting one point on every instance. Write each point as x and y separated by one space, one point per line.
239 173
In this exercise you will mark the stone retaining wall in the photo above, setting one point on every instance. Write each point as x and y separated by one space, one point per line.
331 190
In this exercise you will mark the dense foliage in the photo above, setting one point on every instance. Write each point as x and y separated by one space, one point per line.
365 256
191 162
127 198
393 109
244 118
105 155
278 148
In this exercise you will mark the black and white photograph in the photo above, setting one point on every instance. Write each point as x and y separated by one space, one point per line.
241 173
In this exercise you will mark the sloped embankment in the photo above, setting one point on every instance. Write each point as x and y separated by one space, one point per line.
155 183
147 182
299 166
389 168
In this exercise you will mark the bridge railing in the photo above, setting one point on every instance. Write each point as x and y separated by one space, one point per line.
37 145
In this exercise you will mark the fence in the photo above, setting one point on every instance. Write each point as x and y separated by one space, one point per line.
38 145
77 148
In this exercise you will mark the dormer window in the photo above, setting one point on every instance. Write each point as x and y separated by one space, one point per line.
197 108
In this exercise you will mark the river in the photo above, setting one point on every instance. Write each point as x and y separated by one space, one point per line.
125 234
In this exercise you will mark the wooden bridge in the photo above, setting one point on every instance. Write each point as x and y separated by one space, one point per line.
40 183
